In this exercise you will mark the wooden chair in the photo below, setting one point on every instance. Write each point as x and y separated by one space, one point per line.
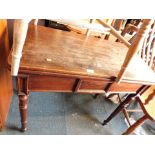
60 61
145 96
126 32
83 26
143 45
147 53
88 26
130 31
146 99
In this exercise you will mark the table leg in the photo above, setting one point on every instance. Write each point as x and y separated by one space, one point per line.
22 90
23 111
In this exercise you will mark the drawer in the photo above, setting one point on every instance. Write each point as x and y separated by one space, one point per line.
123 87
51 83
92 86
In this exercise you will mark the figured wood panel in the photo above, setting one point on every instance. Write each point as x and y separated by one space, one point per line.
51 83
93 86
5 76
124 87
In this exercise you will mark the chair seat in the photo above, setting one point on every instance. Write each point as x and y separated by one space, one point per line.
50 50
150 108
148 102
81 25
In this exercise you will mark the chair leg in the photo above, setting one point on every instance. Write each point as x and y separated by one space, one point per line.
135 125
107 36
118 109
113 114
126 116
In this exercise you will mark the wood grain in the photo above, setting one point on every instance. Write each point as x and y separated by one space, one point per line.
73 54
5 76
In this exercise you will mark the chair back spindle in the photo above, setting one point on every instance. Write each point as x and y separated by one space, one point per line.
142 44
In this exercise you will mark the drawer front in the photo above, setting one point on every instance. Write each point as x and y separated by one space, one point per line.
51 83
92 86
124 87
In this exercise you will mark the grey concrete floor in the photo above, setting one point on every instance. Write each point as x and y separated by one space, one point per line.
65 113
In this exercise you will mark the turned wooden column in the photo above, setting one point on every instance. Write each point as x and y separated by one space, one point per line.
19 36
22 90
23 111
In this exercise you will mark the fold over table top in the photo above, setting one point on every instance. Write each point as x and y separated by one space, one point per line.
56 51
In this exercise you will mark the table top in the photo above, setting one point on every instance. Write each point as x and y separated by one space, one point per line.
50 50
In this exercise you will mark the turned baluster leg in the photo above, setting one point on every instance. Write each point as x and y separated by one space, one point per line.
119 108
23 111
22 90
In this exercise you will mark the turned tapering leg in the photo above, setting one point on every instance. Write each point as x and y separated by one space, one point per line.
23 111
22 90
113 114
119 108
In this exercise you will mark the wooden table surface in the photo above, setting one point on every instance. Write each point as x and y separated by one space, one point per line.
55 51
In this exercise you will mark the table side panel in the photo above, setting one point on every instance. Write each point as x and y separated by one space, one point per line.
92 86
51 83
124 87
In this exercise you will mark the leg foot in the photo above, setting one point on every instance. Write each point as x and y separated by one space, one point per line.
23 129
95 96
104 123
